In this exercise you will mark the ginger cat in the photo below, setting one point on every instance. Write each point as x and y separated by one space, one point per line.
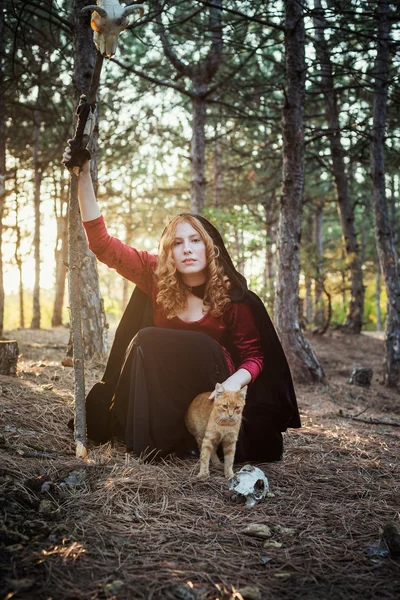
215 422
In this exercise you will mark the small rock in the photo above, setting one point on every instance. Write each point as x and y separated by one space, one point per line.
283 530
258 530
67 362
188 592
361 376
46 507
250 592
75 478
21 585
272 544
45 487
113 588
47 387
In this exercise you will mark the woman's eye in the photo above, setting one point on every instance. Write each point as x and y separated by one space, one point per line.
197 240
177 242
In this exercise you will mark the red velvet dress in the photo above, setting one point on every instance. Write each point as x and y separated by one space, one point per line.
234 330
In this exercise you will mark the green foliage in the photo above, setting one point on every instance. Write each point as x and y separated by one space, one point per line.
145 131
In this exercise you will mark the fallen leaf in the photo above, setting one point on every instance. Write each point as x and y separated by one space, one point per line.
47 386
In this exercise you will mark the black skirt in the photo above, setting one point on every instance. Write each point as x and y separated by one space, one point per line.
164 370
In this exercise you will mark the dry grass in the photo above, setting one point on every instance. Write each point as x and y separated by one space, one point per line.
152 531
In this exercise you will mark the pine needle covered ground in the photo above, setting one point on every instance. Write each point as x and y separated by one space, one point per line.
108 529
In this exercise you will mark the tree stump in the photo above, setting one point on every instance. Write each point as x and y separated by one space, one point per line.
8 357
361 376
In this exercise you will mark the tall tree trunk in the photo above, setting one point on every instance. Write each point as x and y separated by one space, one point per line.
37 173
319 313
198 179
2 161
217 168
307 236
355 314
17 255
270 208
301 357
201 73
60 254
129 230
92 307
394 217
379 326
384 238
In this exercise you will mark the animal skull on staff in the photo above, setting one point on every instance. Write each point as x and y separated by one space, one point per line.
109 18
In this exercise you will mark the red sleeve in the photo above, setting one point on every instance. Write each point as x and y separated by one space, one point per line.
135 265
245 338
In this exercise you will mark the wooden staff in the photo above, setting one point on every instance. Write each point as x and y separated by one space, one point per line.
80 154
108 20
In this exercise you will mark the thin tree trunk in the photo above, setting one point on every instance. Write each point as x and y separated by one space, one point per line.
201 73
394 218
60 255
307 236
217 169
2 161
319 313
302 359
17 255
308 300
355 314
198 179
384 238
36 316
128 240
270 239
379 326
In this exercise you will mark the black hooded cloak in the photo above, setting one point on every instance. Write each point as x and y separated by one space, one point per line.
271 405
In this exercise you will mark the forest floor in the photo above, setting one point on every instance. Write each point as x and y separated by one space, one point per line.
108 529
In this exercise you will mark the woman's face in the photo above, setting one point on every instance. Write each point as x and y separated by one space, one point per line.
189 252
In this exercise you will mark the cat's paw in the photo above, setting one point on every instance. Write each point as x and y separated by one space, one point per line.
202 475
228 474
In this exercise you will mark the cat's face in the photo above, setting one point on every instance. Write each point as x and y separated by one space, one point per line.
229 405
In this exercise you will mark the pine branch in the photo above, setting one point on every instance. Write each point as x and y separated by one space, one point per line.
152 79
237 13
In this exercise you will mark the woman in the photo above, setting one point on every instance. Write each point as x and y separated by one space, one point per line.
191 323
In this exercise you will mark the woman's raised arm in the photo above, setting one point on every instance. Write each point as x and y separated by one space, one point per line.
87 199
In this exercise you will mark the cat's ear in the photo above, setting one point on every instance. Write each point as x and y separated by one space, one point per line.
243 392
219 389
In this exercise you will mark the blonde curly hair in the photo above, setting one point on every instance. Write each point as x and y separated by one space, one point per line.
172 292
